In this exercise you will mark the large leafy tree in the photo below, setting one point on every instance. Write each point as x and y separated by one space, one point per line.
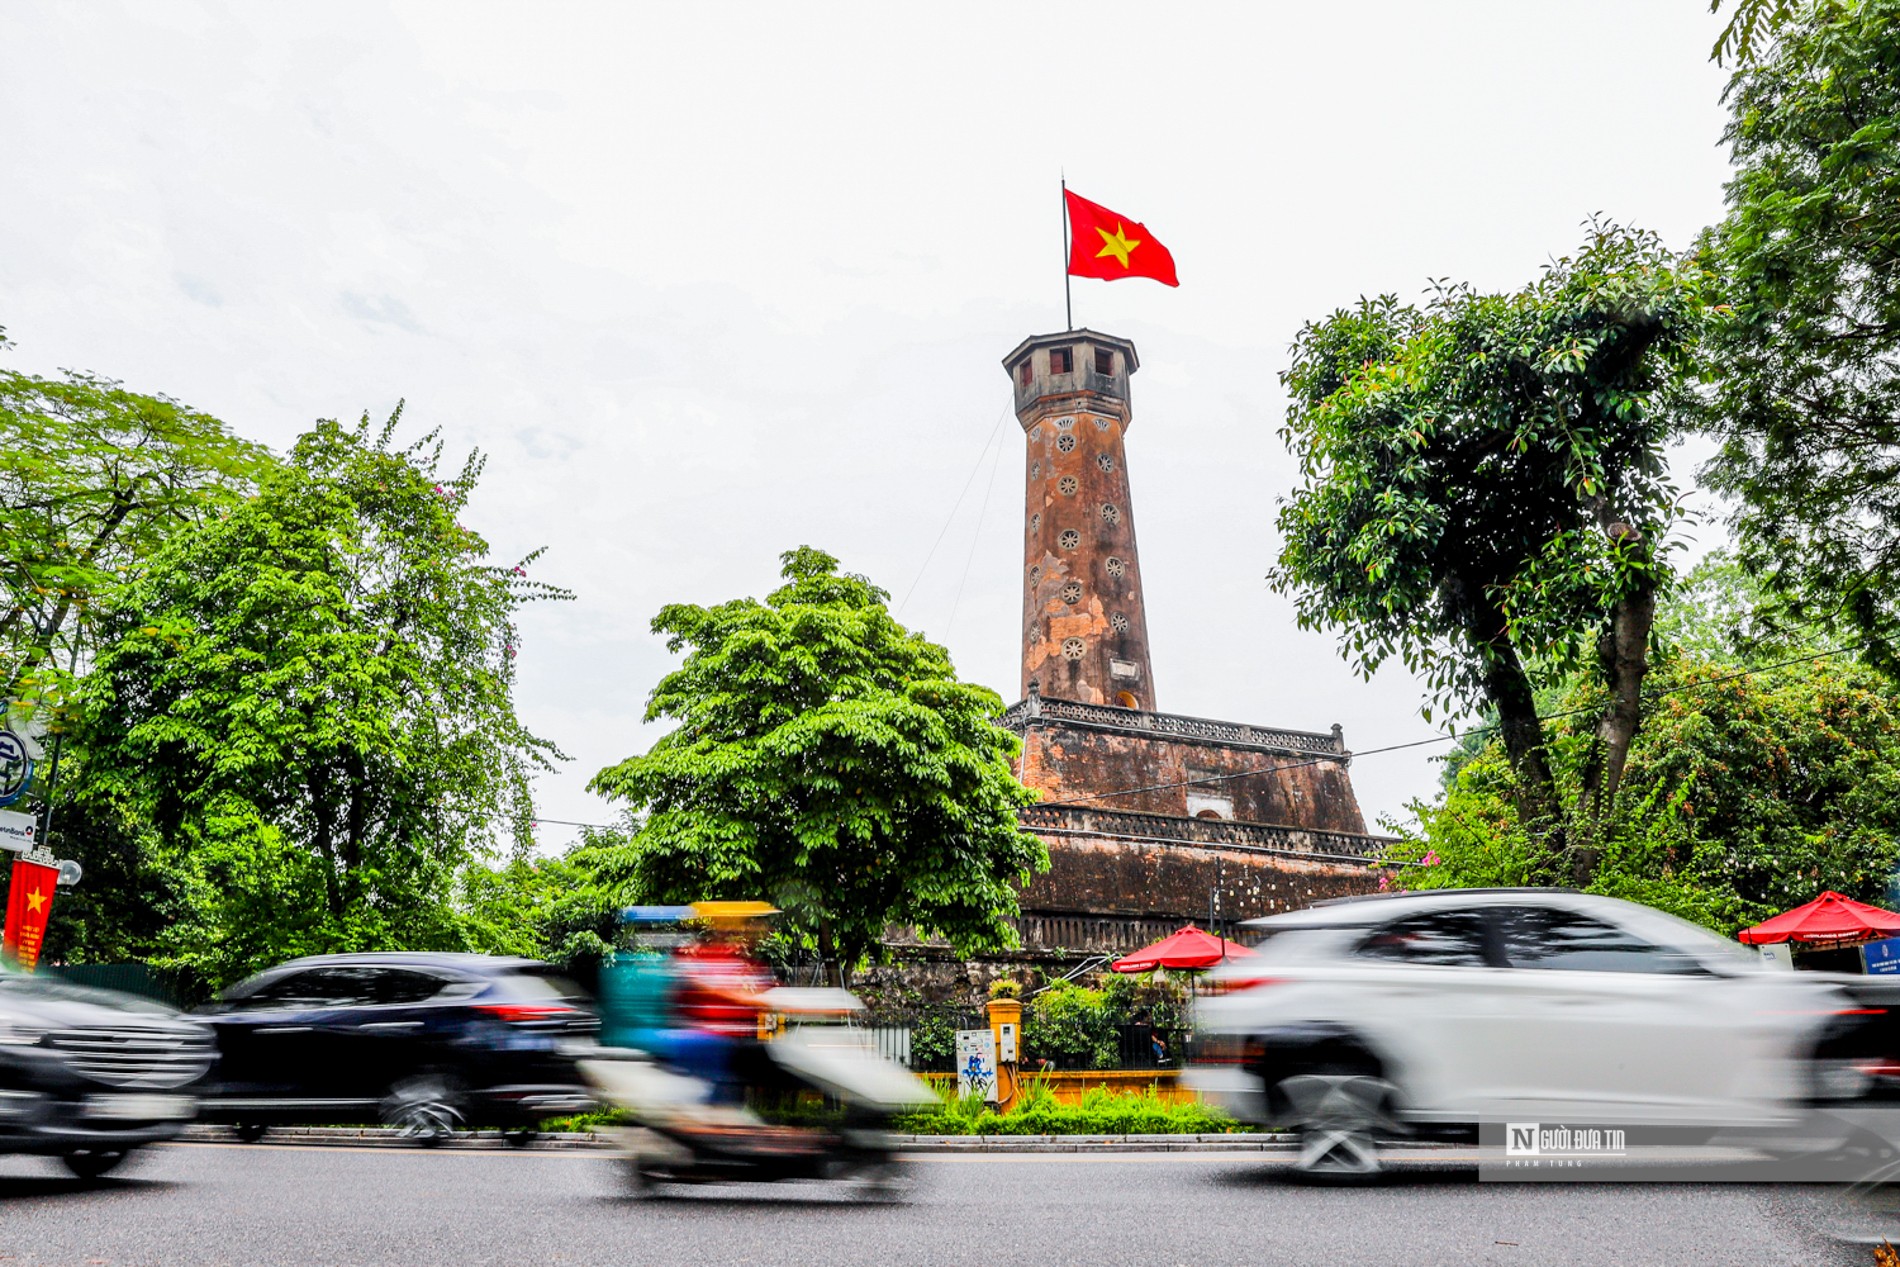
829 761
93 479
1484 496
1760 778
1804 366
308 700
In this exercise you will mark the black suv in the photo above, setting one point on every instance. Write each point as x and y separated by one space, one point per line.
89 1075
427 1043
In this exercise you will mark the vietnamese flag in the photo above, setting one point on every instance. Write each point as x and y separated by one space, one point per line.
1109 246
29 902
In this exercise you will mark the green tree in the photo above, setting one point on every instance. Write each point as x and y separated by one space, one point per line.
309 700
829 761
1804 365
1484 496
1744 795
1762 775
93 480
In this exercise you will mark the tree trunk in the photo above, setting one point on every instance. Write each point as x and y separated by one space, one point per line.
828 954
1624 652
1509 690
323 822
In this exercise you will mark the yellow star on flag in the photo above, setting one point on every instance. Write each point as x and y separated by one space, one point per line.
35 900
1116 244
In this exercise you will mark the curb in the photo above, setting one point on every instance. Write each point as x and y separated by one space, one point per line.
388 1137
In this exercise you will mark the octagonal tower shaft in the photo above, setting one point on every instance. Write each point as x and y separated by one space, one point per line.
1085 626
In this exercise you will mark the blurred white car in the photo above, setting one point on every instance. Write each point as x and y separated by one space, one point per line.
1427 1014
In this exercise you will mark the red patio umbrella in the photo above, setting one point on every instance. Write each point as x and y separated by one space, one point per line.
1830 917
1189 948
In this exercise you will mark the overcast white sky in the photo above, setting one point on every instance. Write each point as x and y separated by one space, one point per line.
707 281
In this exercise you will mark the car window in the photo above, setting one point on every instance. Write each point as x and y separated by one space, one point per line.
1444 938
400 985
335 986
1566 941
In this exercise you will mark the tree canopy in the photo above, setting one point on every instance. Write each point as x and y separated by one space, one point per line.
1754 784
829 761
1803 369
1484 495
307 698
93 479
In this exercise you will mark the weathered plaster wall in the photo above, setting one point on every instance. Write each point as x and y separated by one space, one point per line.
1097 876
1068 762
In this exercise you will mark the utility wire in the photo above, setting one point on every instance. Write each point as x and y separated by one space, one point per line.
1450 738
951 517
976 536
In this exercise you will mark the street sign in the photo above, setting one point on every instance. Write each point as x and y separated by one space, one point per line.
16 767
18 832
1881 957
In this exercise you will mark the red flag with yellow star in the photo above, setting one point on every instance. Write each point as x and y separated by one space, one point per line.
29 902
1110 246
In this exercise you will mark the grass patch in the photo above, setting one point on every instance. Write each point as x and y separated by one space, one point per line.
1101 1112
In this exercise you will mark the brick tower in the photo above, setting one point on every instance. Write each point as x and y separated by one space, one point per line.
1085 631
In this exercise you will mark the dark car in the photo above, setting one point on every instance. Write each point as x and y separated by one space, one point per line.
89 1075
428 1043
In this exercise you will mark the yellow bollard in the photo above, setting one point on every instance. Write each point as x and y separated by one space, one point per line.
1006 1027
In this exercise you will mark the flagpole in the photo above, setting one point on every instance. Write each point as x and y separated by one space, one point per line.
1068 310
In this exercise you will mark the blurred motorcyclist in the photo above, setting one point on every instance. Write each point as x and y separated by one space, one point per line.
719 997
697 1008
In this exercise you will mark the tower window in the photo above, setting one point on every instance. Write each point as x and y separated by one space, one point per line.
1116 567
1104 461
1035 470
1104 361
1067 485
1065 424
1070 539
1110 515
1025 371
1118 622
1072 648
1035 522
1060 361
1127 699
1066 443
1101 424
1072 592
1035 574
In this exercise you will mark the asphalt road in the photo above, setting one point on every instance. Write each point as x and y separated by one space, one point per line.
331 1206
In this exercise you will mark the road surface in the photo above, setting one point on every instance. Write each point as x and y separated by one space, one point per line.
328 1206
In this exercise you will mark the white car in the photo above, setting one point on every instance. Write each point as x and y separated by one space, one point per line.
1428 1014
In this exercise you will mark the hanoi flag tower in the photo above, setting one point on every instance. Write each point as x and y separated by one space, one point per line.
1085 633
1152 819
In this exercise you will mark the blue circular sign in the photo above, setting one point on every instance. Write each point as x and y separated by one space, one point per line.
16 768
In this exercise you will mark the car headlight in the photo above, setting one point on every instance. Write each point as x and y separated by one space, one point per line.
19 1033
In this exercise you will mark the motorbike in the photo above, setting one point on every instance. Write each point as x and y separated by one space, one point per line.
819 1107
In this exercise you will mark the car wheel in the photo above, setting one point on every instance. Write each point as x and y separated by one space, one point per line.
250 1132
521 1136
1337 1115
426 1110
94 1163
